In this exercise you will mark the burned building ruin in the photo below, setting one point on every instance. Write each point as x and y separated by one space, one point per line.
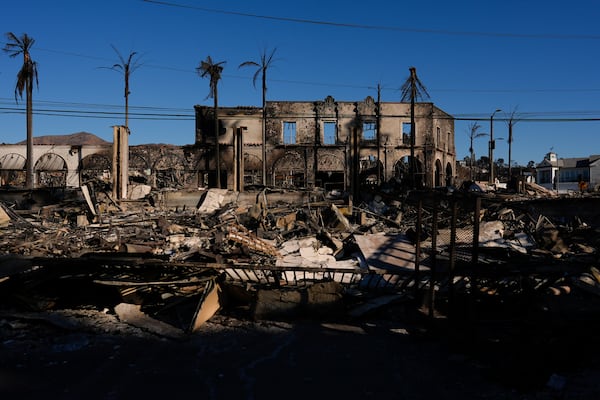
328 144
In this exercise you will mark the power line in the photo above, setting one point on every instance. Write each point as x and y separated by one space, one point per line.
100 114
190 116
379 27
51 103
346 85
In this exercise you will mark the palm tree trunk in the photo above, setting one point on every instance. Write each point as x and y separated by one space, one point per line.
126 73
264 129
377 123
413 164
29 161
510 134
217 147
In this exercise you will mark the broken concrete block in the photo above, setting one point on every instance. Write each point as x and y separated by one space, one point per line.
289 247
490 231
81 221
319 298
215 199
273 304
139 192
4 218
308 252
324 297
286 222
289 261
132 314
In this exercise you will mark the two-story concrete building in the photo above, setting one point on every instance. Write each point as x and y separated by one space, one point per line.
327 144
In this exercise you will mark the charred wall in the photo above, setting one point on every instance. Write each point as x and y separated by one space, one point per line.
331 143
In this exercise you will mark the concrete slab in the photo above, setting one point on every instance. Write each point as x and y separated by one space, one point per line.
391 253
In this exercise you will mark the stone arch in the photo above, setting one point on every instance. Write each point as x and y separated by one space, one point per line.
139 168
252 169
12 170
370 169
288 170
169 171
449 175
330 162
50 170
402 172
205 167
437 174
95 167
331 171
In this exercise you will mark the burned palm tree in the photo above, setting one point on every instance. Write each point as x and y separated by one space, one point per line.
266 60
25 79
413 90
126 67
473 134
213 70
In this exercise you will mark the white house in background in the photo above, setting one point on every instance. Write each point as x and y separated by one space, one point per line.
564 174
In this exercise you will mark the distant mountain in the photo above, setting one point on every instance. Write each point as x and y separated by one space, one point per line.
74 139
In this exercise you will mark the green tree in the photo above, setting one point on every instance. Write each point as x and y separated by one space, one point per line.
26 76
126 67
266 60
413 90
213 70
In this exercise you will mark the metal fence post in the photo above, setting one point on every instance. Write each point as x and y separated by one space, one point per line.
432 275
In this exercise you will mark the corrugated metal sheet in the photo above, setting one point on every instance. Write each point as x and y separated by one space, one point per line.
12 161
50 162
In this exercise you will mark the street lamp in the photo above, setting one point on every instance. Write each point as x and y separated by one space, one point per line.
492 145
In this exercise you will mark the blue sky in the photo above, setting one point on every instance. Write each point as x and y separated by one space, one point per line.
538 59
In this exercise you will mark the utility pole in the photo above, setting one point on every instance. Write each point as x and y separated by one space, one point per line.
377 124
512 119
492 145
510 125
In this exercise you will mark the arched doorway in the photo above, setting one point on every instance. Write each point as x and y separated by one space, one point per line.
207 171
437 175
12 170
169 172
370 171
288 171
402 174
95 168
449 175
51 171
330 172
139 169
252 170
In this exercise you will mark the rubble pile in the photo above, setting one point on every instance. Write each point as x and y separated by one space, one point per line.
141 253
149 251
168 269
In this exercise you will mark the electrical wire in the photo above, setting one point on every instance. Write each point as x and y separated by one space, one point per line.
377 27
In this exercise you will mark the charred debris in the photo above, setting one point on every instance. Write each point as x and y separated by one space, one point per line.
169 261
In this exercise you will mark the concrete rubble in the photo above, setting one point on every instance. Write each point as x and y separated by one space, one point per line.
167 265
